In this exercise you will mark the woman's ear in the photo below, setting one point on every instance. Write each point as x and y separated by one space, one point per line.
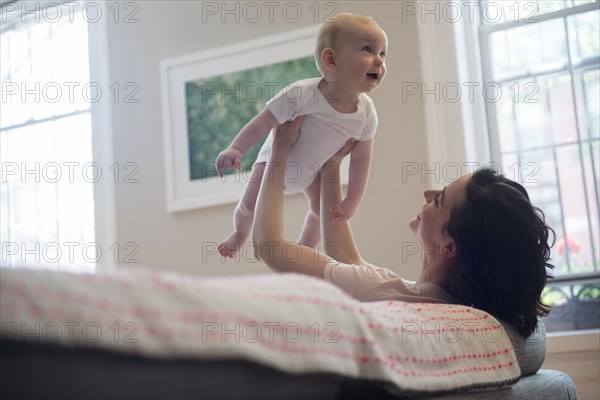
328 59
449 249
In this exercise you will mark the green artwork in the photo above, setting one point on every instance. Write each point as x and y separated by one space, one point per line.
218 107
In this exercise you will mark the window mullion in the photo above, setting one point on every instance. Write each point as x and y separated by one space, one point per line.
575 278
584 64
566 12
492 122
33 122
562 211
549 146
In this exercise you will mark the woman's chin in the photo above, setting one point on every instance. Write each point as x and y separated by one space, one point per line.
414 224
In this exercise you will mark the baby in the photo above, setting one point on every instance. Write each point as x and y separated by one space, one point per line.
350 54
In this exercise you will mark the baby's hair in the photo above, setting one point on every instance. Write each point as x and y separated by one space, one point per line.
331 29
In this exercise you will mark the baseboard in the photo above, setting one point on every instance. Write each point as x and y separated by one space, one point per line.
582 366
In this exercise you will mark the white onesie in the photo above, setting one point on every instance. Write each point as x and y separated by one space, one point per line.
324 130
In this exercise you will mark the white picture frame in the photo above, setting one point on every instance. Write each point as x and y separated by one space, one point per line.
182 192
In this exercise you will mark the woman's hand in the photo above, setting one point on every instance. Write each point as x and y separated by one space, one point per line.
287 133
330 173
337 158
331 169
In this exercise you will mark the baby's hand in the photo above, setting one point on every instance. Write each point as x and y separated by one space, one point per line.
342 212
230 158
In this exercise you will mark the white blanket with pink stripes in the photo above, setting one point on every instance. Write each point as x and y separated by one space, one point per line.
291 322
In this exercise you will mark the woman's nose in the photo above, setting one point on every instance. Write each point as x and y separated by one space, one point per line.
427 195
430 195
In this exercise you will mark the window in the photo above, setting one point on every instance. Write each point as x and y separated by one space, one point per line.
45 138
546 55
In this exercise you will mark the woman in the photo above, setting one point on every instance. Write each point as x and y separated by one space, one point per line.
485 245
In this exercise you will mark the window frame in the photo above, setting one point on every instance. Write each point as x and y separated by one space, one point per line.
100 115
483 32
105 214
445 43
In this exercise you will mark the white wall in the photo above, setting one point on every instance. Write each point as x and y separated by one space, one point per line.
167 29
175 241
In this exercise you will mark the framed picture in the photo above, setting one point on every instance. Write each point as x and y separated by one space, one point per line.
209 96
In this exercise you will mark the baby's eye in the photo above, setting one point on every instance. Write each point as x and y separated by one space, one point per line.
367 49
382 54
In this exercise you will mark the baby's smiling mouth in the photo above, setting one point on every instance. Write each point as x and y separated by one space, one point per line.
373 75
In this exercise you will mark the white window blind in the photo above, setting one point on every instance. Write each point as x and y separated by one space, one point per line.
47 204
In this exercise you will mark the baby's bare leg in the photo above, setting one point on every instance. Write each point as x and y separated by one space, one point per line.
243 214
311 234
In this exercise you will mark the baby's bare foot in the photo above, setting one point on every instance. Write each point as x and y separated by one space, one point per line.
231 245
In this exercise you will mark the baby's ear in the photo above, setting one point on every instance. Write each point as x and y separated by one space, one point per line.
328 59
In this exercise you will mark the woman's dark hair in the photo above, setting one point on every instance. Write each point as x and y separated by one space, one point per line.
502 245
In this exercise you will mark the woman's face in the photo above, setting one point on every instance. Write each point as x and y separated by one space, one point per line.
429 224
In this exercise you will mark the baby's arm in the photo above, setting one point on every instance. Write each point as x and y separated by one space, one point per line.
360 163
251 133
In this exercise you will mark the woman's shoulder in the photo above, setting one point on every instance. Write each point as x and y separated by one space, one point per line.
431 291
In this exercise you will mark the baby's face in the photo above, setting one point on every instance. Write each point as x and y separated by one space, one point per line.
360 58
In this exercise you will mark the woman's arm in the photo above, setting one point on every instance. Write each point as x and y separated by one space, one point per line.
268 237
338 241
360 163
269 242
